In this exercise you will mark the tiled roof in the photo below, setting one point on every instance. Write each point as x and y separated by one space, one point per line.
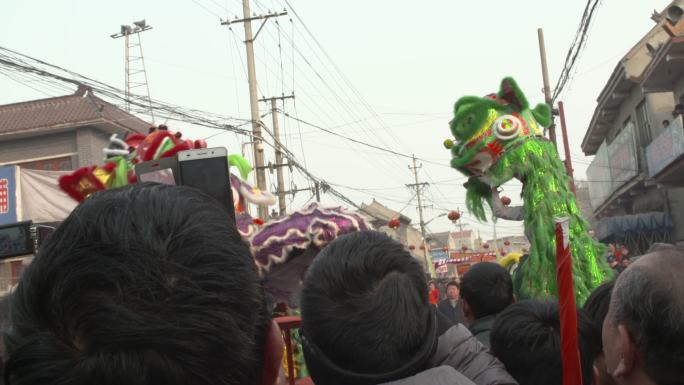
380 211
71 110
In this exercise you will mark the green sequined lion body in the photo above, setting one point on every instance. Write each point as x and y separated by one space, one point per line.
499 138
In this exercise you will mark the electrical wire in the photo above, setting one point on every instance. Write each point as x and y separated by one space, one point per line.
576 47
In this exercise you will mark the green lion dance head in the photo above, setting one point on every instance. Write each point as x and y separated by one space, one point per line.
486 129
499 138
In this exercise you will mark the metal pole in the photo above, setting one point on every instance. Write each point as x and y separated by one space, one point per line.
147 85
257 146
282 207
496 242
566 146
318 192
460 234
547 87
128 75
420 215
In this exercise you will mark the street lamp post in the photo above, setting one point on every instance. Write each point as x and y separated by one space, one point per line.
425 247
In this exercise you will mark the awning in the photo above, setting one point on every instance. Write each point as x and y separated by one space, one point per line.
615 227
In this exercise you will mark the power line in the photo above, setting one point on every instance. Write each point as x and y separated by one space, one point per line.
387 150
576 47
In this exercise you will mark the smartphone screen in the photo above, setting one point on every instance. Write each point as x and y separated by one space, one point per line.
164 176
209 175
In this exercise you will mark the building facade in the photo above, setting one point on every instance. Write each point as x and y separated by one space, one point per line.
379 216
61 133
629 204
45 137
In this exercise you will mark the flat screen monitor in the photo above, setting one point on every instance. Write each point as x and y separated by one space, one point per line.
15 239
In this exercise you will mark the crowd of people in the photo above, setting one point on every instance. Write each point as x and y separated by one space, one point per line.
618 257
128 291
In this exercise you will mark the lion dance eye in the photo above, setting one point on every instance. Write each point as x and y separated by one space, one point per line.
507 127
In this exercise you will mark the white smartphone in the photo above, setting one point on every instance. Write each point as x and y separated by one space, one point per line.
206 169
163 171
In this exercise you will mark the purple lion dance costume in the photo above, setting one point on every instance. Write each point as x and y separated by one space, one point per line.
284 248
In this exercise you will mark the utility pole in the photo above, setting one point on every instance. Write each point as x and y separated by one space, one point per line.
257 145
460 229
547 87
419 186
282 206
496 242
566 146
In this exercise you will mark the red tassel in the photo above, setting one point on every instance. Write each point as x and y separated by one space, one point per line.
157 139
175 150
70 183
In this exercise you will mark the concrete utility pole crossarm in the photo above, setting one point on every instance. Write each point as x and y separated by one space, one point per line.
258 146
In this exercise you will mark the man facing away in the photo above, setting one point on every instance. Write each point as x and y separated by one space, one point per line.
486 290
526 338
451 306
142 285
367 320
643 333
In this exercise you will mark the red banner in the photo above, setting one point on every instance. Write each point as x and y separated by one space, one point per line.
572 368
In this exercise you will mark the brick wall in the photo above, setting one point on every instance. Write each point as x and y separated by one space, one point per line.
19 150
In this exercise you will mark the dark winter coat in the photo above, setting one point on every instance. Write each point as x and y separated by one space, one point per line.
453 313
460 359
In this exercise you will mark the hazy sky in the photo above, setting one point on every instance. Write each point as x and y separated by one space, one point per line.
404 63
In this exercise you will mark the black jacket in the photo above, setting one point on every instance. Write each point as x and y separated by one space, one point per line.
453 313
482 327
460 359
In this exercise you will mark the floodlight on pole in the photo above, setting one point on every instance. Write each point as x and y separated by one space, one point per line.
126 31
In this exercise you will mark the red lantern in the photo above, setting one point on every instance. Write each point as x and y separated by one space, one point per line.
486 246
454 216
411 247
503 253
394 223
507 243
464 247
505 200
446 249
422 247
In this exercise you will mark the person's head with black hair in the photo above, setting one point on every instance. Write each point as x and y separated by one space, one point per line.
486 289
526 338
596 307
365 310
678 109
453 290
644 328
665 123
146 284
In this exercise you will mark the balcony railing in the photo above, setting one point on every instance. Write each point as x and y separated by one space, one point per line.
666 148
